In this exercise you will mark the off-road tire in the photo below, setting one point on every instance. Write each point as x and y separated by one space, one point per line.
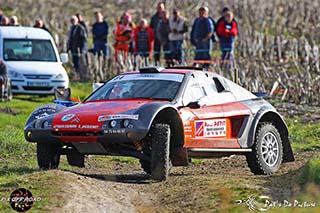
160 160
256 160
146 166
75 158
48 155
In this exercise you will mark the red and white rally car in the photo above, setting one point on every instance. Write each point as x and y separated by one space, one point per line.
163 117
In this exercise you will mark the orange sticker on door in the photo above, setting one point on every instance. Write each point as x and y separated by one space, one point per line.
211 128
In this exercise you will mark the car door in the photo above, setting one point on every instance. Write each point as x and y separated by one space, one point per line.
209 128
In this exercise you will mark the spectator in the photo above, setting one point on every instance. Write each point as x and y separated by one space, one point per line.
123 36
100 31
82 23
3 81
154 24
225 10
14 21
76 44
5 21
200 36
1 15
227 29
39 24
178 28
143 38
163 31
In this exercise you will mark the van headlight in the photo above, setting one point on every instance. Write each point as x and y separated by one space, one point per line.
14 74
59 76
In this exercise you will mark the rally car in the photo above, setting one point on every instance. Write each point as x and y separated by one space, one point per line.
164 117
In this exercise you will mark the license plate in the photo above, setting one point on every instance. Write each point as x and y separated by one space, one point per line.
37 84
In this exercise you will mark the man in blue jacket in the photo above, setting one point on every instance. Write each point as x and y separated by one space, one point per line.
200 36
100 31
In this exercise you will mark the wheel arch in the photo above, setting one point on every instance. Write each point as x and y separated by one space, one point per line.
272 116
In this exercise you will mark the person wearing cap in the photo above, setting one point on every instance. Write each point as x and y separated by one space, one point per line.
76 43
143 40
200 36
123 36
155 19
100 31
178 28
227 30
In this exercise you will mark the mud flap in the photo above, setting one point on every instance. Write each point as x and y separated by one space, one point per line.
179 156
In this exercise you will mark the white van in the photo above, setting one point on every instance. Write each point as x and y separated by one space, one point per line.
33 63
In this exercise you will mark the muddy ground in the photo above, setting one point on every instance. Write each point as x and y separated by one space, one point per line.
107 185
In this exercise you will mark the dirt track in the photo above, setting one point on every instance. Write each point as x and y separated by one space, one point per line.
207 186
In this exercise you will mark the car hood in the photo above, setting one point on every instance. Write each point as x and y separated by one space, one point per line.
35 67
92 115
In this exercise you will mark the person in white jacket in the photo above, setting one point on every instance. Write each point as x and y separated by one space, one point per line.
178 28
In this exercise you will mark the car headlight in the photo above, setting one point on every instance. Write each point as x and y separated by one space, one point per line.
125 123
14 74
113 123
37 124
46 125
59 76
104 126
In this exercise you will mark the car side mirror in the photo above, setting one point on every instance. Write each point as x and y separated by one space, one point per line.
64 57
194 105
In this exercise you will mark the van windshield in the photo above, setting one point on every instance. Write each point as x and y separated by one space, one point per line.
28 50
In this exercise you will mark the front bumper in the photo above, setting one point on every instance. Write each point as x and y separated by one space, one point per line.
45 87
103 136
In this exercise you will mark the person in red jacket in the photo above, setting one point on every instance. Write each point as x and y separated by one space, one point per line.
227 31
143 40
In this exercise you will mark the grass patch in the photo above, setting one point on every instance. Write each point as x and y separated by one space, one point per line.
304 136
18 165
310 173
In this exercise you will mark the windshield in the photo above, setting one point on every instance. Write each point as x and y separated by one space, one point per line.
28 50
151 86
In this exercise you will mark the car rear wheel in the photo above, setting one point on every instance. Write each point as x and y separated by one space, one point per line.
75 158
267 153
48 155
160 160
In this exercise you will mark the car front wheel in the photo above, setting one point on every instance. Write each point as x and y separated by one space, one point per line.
160 160
267 152
48 155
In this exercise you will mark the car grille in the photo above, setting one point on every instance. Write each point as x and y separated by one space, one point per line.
28 76
37 88
77 134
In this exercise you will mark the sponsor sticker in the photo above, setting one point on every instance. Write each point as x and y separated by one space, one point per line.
102 118
74 126
42 116
211 128
67 117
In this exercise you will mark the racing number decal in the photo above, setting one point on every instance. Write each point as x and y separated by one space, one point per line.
211 128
